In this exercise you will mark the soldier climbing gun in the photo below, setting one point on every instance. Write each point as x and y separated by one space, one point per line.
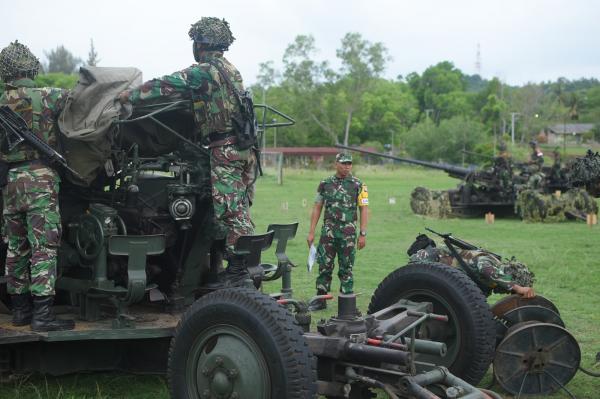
17 131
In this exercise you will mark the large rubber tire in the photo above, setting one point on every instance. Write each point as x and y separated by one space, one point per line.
240 340
470 332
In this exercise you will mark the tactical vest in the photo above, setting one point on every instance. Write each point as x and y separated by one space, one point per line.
40 119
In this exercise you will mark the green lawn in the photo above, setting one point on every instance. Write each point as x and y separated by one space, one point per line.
565 258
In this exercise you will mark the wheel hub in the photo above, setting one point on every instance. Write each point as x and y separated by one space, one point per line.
229 366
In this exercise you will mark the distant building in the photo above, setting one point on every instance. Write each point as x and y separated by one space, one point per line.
554 134
299 156
319 157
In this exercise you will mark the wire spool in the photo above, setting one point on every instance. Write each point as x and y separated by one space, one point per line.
514 301
536 359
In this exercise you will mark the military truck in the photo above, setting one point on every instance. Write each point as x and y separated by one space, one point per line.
138 271
498 189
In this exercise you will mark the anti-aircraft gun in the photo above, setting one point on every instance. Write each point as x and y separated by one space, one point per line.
498 189
480 191
139 271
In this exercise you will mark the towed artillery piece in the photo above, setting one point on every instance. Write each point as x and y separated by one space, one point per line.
497 189
533 352
139 271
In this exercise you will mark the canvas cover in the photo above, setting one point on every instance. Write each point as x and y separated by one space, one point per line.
88 121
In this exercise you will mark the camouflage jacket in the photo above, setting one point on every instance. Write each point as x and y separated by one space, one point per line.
341 198
214 101
39 107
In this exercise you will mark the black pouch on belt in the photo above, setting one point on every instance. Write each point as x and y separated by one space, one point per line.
4 167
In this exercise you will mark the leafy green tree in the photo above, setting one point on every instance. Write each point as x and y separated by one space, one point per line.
590 111
386 112
307 83
62 60
330 99
437 91
362 63
446 141
492 112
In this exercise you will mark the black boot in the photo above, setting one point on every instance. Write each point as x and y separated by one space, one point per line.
44 318
319 303
236 273
21 309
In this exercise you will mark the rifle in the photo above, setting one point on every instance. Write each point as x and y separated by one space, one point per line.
17 131
448 239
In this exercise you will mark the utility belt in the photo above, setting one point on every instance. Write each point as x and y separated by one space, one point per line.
37 163
337 224
6 166
221 139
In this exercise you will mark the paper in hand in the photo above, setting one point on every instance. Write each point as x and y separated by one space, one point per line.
312 256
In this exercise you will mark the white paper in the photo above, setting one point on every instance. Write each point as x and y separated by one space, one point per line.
312 256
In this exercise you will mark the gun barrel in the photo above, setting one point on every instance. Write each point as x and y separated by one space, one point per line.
452 170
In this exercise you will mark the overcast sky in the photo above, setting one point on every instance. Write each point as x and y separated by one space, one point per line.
520 40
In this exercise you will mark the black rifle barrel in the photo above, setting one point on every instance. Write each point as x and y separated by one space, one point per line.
452 170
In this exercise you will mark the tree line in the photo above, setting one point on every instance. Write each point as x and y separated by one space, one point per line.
434 115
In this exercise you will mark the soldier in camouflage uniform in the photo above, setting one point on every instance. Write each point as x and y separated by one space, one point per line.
536 158
341 194
536 161
495 275
31 218
503 168
208 84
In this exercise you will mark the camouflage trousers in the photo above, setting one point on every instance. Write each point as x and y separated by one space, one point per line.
232 177
337 240
31 229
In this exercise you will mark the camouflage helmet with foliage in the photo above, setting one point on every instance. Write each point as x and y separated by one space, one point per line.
213 33
16 60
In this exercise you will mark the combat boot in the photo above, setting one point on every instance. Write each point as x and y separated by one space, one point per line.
319 303
236 273
43 316
21 309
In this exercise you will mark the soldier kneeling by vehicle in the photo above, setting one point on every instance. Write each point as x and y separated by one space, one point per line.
490 271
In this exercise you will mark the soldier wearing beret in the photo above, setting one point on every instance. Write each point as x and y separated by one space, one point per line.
341 195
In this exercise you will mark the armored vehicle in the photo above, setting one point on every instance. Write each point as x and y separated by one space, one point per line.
138 271
499 189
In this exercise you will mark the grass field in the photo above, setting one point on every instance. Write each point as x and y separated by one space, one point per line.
565 258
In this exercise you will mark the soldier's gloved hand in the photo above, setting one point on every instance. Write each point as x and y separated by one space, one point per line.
310 239
362 241
525 292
